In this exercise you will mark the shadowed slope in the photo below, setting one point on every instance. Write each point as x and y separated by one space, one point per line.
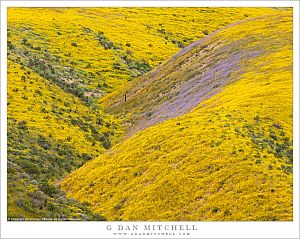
50 134
194 74
230 158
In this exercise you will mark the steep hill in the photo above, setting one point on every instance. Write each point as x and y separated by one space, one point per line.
50 133
91 51
228 157
59 61
194 74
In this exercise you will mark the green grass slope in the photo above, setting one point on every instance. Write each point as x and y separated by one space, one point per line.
50 133
228 158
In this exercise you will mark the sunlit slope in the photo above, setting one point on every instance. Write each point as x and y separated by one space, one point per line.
44 107
50 133
195 73
230 158
91 51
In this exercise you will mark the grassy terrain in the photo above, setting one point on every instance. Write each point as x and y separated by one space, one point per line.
191 76
229 158
35 162
63 62
38 103
50 133
92 51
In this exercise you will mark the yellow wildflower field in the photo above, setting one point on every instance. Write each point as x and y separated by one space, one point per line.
150 114
230 158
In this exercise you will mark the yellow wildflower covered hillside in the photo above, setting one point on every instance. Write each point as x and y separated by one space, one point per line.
42 106
228 158
92 51
61 61
50 133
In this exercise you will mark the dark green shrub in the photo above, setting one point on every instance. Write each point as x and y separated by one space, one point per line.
215 210
105 42
278 126
48 189
270 167
106 143
30 167
205 32
86 157
227 212
22 124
